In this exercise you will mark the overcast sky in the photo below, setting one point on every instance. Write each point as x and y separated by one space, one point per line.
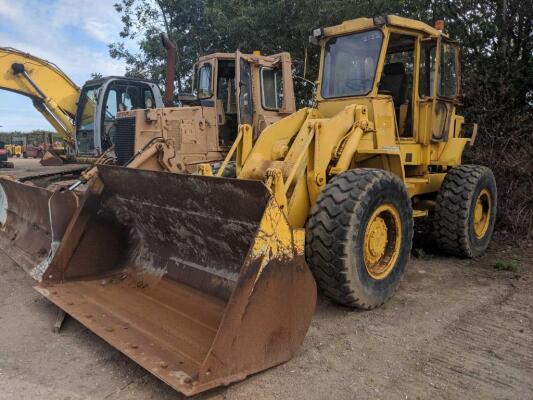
73 34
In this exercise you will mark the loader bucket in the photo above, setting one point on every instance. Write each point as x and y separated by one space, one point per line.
31 219
51 159
198 279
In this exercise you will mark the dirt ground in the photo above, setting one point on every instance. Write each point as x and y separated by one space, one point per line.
456 329
26 167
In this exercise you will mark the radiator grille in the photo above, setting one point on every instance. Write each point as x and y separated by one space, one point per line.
125 139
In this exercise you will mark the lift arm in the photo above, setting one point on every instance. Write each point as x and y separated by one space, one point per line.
53 93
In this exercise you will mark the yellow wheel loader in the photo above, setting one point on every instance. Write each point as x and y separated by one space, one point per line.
14 150
202 279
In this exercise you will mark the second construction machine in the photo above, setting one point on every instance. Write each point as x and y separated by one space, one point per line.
204 280
230 90
83 117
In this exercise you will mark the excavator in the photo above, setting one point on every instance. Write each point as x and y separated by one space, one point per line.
76 114
204 279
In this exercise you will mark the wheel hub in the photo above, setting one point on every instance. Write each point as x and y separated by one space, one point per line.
482 213
377 241
382 241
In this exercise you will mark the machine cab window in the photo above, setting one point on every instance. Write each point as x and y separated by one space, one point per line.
204 81
226 102
245 93
86 112
449 71
428 52
271 88
148 99
350 64
397 79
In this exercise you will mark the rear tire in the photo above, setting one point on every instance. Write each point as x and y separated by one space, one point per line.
359 236
465 212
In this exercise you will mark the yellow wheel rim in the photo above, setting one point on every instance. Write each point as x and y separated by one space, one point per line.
382 241
482 213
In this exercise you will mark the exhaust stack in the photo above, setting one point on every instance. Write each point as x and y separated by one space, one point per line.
170 69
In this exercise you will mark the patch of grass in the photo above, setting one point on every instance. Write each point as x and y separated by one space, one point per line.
420 253
512 265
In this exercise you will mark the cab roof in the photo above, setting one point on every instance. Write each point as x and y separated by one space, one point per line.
359 24
100 81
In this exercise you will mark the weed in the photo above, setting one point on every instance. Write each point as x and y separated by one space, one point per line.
512 265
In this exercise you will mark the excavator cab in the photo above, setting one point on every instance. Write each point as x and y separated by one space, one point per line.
99 102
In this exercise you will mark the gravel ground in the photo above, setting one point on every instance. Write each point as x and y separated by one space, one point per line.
456 329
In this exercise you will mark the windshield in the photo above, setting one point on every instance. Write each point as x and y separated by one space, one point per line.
350 64
85 131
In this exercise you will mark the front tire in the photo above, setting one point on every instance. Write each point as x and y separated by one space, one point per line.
465 211
359 237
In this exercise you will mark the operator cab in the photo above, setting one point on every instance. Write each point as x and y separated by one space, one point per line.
387 58
226 81
99 102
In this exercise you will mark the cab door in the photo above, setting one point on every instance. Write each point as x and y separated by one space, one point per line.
448 89
243 83
439 88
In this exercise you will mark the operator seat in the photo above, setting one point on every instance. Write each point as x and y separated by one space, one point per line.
393 81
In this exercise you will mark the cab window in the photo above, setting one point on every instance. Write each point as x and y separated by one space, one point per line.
111 105
271 88
245 93
204 82
126 102
448 82
427 68
350 63
148 98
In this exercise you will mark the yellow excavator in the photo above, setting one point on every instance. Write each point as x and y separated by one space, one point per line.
79 116
204 279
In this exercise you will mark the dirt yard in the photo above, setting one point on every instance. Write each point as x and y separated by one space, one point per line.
31 167
456 329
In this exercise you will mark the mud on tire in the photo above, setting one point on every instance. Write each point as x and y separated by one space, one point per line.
455 210
335 236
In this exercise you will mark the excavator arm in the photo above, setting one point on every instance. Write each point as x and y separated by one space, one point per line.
53 93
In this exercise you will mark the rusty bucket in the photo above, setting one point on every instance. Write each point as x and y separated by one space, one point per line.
198 279
32 221
51 159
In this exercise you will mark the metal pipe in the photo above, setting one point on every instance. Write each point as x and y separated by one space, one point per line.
170 70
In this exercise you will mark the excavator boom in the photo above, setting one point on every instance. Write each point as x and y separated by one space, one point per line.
53 93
